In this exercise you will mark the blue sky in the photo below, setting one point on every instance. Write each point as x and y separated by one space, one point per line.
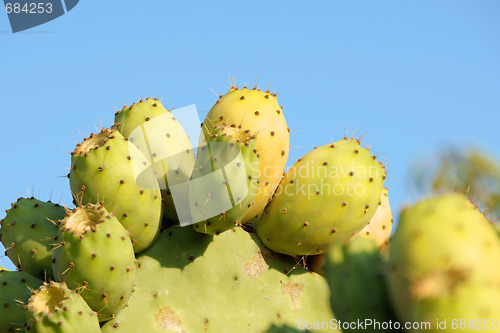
415 76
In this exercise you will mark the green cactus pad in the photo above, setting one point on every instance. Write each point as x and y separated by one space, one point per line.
355 273
444 263
54 308
325 198
258 112
164 141
15 290
94 255
226 177
106 168
28 232
224 283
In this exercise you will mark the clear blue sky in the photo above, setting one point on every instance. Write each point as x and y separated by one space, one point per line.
416 76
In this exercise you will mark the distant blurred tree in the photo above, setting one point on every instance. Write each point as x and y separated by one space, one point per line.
469 171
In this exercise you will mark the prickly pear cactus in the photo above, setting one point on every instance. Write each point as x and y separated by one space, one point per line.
15 290
444 264
260 114
380 226
355 273
225 181
163 141
325 197
105 168
94 256
223 283
28 232
54 308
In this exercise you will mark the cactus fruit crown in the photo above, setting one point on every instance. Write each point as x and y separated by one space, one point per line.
84 219
93 142
236 133
49 299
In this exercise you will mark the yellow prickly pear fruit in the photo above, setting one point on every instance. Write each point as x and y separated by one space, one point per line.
380 226
256 112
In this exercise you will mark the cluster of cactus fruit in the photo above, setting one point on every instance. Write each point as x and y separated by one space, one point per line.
164 237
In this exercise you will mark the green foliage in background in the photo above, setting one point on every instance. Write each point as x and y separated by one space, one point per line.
469 171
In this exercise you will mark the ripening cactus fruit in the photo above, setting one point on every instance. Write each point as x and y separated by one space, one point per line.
224 180
28 232
54 308
224 283
15 290
378 229
258 113
105 168
94 255
444 264
380 226
161 138
326 197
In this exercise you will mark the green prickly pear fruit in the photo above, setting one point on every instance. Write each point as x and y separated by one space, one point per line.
444 264
161 138
248 289
225 181
106 168
15 290
94 255
380 226
260 114
326 197
355 273
28 232
54 308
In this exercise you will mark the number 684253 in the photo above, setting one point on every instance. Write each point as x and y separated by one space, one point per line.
462 324
28 8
